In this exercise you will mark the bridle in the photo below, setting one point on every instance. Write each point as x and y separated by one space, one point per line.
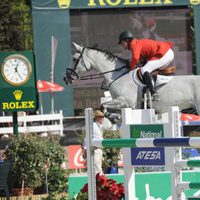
72 72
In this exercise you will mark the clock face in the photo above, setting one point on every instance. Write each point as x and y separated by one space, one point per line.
16 69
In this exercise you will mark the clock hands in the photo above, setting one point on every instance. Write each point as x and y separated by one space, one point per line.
16 66
16 71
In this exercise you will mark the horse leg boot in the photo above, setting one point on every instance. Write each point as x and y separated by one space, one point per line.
151 85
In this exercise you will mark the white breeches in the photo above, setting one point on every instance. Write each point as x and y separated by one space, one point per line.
159 63
98 157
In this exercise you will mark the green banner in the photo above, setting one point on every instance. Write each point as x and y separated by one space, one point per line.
77 4
148 185
147 131
51 30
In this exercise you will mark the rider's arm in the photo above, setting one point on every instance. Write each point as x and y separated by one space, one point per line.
135 50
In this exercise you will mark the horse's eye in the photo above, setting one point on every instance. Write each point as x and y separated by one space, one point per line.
74 59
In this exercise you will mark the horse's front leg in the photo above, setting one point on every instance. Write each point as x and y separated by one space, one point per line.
112 109
116 104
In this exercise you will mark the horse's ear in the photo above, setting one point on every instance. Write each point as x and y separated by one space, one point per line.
78 47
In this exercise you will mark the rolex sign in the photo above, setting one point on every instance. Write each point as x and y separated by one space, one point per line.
64 3
18 90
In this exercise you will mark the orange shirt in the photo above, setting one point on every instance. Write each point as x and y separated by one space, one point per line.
147 49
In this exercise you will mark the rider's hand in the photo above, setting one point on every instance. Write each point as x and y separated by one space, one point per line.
140 63
128 66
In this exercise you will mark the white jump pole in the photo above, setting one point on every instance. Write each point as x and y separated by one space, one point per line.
90 154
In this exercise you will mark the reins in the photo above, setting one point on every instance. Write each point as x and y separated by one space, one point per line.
99 75
94 76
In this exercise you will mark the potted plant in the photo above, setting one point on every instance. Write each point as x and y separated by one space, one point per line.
30 156
106 189
111 155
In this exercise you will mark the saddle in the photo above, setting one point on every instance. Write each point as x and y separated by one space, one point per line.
165 74
168 71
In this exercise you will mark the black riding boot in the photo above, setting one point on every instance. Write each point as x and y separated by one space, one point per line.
151 85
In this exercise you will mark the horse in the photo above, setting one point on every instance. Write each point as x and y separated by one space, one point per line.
181 91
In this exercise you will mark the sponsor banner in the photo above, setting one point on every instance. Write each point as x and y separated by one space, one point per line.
68 4
147 156
18 90
75 158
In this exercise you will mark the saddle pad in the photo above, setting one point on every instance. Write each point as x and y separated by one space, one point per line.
161 79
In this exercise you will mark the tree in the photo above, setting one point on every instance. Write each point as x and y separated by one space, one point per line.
15 25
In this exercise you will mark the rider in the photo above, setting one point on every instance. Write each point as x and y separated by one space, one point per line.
155 54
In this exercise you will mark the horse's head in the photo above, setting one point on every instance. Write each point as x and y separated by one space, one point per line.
80 65
106 64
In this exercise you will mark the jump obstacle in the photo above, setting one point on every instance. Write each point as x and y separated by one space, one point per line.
139 151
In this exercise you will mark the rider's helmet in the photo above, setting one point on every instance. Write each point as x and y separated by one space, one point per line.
125 35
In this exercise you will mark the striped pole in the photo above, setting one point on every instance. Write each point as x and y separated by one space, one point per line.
188 185
148 142
188 163
184 123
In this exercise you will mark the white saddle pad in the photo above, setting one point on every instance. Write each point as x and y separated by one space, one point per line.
160 79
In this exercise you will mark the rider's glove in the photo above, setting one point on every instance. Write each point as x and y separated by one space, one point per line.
128 66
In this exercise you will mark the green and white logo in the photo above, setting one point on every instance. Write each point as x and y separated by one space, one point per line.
147 131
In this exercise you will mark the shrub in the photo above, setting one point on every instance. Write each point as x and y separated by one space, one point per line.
30 156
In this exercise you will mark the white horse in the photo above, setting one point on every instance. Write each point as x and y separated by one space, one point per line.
181 91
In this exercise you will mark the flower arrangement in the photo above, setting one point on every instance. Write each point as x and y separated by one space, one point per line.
106 189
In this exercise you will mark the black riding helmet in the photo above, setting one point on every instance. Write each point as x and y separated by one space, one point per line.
125 35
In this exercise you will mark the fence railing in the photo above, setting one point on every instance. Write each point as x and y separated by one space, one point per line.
51 123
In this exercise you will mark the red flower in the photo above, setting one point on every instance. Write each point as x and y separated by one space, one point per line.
106 189
85 188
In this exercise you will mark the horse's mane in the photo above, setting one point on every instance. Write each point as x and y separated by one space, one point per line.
108 54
